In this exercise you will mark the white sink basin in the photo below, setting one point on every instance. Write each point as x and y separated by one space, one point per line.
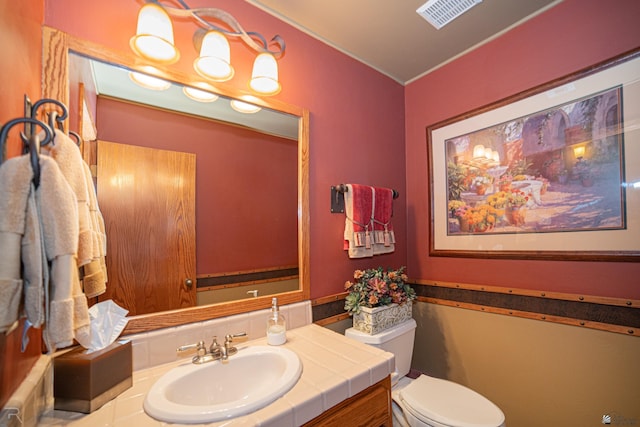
249 380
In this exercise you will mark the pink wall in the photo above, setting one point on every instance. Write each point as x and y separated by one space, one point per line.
20 65
357 116
571 36
20 62
246 207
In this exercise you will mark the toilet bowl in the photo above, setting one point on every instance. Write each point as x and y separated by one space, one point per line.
427 401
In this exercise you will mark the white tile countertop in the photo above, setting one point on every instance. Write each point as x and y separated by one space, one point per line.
334 369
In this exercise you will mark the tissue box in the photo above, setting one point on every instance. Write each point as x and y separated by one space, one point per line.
84 382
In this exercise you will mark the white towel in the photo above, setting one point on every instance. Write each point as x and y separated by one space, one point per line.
34 262
95 273
68 313
69 159
91 244
15 185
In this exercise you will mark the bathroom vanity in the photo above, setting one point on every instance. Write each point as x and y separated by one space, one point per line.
370 407
343 382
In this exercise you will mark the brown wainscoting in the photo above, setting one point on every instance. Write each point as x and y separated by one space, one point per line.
603 313
329 309
609 314
240 278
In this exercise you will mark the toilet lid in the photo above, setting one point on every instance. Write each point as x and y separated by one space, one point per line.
449 403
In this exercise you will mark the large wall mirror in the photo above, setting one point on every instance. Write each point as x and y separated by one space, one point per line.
281 124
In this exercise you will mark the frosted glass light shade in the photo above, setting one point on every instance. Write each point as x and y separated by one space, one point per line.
199 95
244 107
149 82
154 35
264 78
214 61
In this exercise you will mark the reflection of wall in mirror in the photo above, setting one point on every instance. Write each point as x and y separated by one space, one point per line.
82 96
246 183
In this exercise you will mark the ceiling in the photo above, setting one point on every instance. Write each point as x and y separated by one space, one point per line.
389 36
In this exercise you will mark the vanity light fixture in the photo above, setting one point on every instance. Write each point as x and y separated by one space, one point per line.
154 35
214 61
244 107
199 95
264 78
247 104
149 82
154 41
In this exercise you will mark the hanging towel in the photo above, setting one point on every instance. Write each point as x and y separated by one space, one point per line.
95 273
91 242
359 204
21 243
68 317
15 186
69 159
34 264
383 236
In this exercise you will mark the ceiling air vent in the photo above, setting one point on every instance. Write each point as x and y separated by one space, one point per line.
440 12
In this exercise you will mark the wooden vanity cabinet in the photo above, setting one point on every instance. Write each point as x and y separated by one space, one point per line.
371 407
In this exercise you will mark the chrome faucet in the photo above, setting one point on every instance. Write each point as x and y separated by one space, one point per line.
228 349
215 351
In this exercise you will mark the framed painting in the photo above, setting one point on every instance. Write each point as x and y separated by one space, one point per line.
551 173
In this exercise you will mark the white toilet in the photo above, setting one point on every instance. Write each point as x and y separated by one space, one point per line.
427 401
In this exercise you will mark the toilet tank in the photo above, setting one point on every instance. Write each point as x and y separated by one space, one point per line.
397 340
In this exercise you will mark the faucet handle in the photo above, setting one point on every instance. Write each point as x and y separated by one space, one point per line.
199 347
239 337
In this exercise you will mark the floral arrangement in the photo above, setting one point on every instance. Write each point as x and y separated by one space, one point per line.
498 200
461 211
582 169
504 178
504 182
478 219
454 205
480 180
376 287
517 198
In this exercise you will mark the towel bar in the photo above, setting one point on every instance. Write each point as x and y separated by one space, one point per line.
337 197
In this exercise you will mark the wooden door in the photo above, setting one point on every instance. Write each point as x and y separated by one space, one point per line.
147 199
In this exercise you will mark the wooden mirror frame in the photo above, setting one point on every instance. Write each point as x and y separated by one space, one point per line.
55 84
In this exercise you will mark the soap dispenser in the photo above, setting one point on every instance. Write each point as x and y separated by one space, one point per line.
276 327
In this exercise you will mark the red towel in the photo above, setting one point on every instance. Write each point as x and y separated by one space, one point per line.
358 232
384 238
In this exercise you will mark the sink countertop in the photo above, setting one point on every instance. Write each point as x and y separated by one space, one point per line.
334 369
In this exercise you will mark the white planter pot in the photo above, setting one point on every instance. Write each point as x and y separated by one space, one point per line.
374 320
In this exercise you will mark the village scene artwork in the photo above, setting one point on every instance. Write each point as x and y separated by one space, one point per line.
552 171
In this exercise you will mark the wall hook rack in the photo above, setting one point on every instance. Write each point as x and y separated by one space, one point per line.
337 197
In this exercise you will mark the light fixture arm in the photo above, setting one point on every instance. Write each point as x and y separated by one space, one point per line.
252 39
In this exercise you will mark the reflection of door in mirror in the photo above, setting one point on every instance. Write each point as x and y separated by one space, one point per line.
246 192
147 199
